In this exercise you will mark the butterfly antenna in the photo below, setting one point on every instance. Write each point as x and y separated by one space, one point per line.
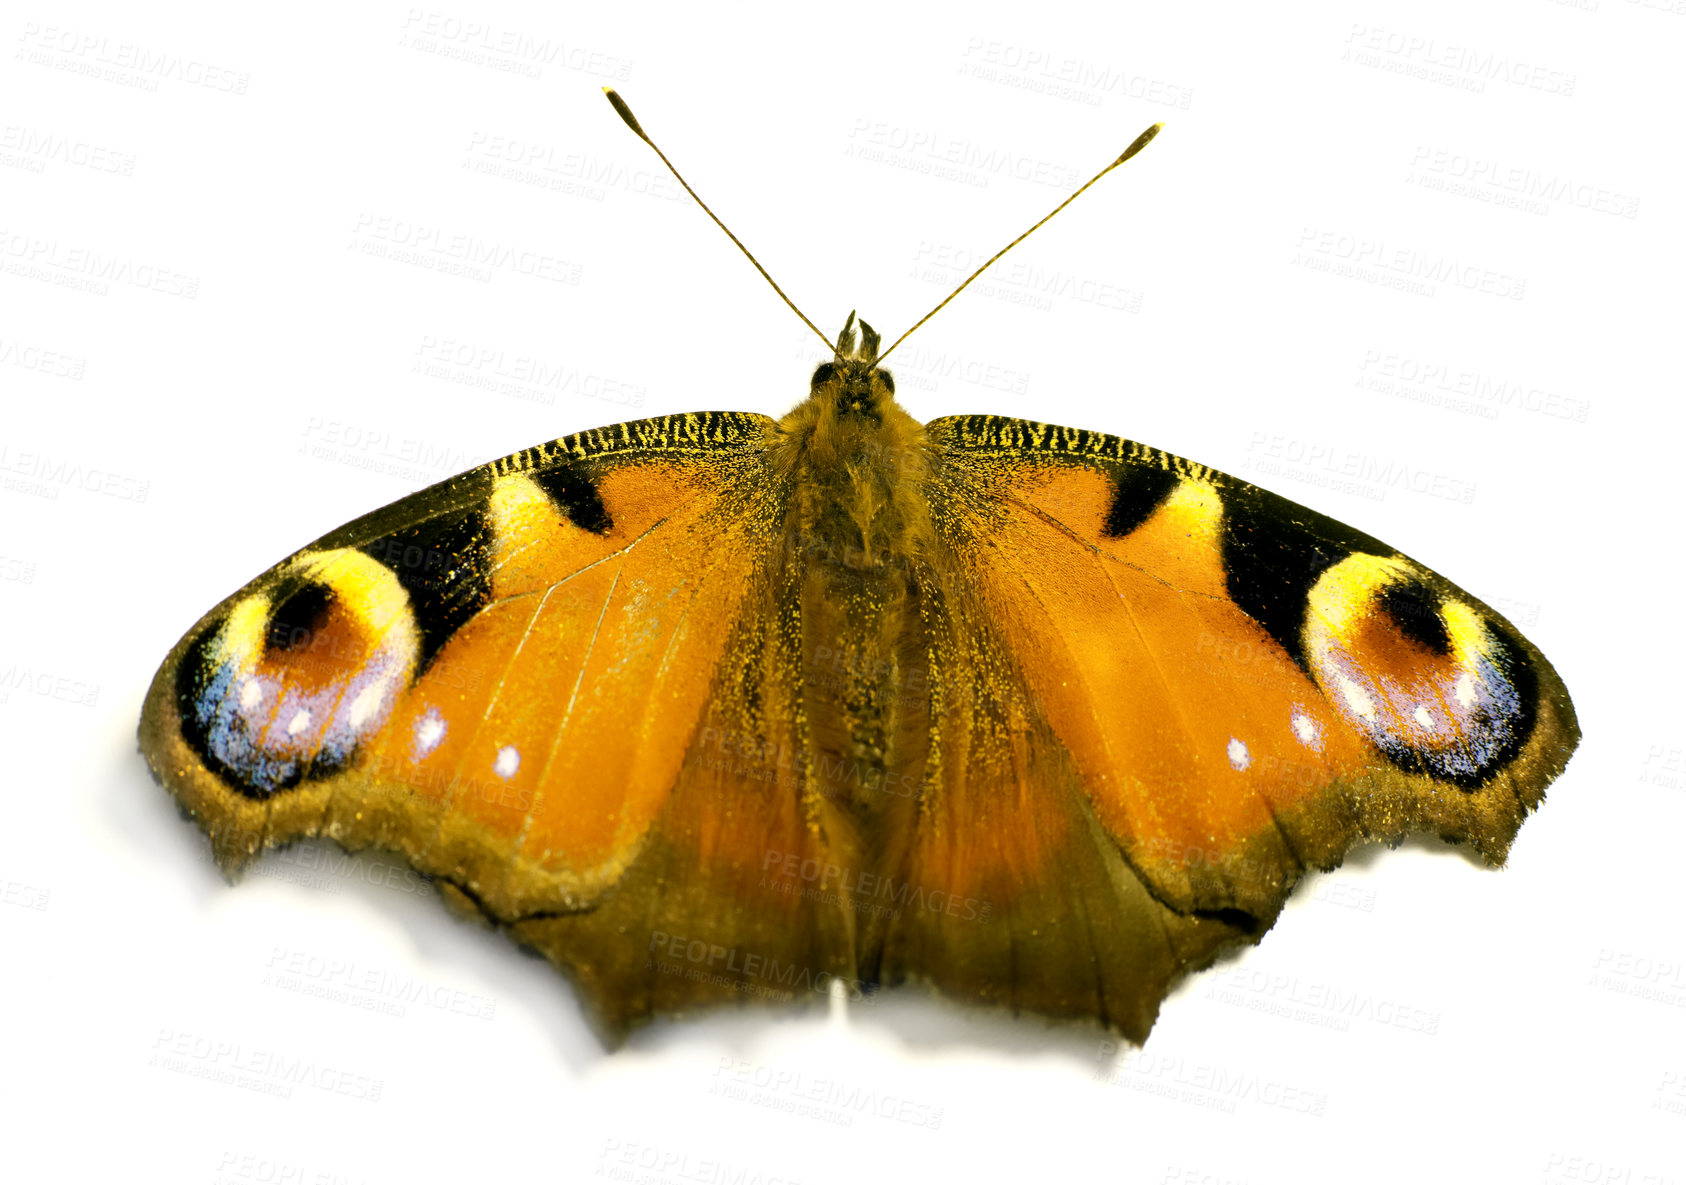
625 113
1140 143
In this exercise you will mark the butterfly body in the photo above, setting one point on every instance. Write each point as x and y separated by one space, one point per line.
858 539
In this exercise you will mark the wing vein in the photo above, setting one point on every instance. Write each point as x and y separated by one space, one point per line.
567 714
1095 549
449 802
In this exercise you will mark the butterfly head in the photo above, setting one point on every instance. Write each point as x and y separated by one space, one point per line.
851 384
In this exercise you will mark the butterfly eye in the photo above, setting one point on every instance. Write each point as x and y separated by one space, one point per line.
823 373
889 382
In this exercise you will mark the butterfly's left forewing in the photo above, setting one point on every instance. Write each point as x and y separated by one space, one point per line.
555 683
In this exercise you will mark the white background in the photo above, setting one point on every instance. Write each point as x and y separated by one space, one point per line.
206 361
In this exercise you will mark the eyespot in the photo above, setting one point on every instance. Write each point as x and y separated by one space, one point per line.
1438 687
297 674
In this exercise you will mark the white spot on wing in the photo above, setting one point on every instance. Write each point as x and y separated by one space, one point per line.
299 722
1305 728
251 694
509 760
1464 690
430 730
1357 698
1238 755
367 703
1422 717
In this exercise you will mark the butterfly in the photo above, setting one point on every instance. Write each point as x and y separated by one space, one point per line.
717 708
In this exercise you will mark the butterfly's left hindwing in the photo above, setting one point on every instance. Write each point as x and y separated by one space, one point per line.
1244 687
512 679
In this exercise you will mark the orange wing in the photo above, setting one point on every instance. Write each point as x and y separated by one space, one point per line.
1171 693
510 679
